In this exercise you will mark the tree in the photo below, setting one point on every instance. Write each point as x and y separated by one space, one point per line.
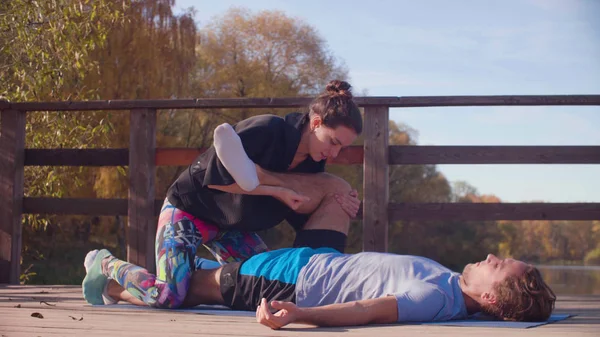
152 56
264 54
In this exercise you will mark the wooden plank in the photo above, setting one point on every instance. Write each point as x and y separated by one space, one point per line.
503 100
407 211
406 155
12 148
494 211
353 155
76 157
185 156
142 172
70 315
80 206
296 102
177 156
75 206
376 180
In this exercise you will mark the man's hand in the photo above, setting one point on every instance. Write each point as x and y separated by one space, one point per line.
292 199
287 313
349 202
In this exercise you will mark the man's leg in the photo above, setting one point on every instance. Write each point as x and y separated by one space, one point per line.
328 224
231 246
320 188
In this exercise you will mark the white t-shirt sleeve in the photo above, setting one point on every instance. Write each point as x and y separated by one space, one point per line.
421 302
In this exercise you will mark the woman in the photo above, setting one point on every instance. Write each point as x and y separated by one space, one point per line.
206 205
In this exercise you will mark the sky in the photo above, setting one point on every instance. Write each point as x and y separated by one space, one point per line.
470 47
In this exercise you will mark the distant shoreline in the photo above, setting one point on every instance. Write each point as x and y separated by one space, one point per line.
569 267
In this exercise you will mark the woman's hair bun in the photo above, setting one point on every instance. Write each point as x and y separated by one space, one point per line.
339 88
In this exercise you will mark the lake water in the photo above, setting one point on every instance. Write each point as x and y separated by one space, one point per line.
572 280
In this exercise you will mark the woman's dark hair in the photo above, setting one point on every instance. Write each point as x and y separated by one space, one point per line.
336 107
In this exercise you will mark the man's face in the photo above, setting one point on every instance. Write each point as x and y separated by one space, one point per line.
481 277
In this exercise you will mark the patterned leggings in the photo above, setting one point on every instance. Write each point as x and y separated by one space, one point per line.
178 236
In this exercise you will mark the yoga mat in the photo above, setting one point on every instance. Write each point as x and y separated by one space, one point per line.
475 321
201 309
491 323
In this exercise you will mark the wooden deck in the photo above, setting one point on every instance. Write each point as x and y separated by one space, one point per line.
66 314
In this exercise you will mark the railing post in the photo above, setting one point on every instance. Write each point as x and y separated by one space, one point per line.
141 218
376 185
12 154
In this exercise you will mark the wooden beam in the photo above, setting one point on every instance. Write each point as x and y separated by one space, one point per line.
404 211
353 155
12 148
76 157
80 206
142 172
295 102
376 185
75 206
494 211
4 104
407 155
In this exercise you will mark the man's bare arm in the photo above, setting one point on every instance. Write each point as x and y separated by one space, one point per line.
373 311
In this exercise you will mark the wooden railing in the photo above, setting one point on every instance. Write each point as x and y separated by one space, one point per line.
142 157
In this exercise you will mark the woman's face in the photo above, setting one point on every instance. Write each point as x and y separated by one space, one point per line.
325 142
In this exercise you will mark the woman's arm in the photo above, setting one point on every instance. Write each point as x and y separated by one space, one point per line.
273 191
292 199
230 151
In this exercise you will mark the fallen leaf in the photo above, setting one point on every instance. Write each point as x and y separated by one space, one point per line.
17 306
37 314
46 303
77 319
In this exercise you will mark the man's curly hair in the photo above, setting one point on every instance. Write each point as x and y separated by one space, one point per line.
523 298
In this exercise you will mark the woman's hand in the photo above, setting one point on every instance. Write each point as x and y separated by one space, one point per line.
349 202
287 313
292 199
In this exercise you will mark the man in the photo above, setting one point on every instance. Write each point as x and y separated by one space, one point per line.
324 287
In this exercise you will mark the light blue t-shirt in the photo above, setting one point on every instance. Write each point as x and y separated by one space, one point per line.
424 289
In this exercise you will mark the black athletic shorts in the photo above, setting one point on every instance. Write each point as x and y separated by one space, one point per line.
271 275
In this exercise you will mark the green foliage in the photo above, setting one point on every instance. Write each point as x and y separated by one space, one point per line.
593 257
46 46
